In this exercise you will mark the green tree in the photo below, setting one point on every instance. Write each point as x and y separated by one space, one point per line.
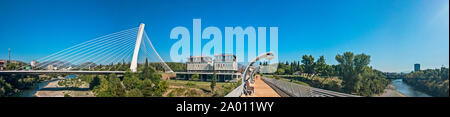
11 66
161 88
280 71
431 81
67 95
110 87
358 77
213 81
351 79
131 81
147 88
308 64
134 93
6 89
195 77
321 66
95 82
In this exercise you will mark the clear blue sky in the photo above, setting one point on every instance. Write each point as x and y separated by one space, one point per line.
396 33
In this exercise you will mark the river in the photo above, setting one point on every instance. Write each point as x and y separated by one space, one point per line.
409 91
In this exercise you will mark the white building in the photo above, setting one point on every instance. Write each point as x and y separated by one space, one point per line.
199 64
33 64
50 67
225 65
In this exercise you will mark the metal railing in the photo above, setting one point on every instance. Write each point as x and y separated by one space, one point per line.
237 92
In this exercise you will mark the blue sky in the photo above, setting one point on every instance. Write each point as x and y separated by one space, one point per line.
396 33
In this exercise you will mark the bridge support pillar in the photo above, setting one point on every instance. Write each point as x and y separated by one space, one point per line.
134 60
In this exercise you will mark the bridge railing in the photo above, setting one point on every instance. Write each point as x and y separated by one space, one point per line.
297 90
237 92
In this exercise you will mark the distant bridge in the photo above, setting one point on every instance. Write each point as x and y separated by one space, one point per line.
124 46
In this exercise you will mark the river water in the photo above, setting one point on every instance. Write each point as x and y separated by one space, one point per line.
409 91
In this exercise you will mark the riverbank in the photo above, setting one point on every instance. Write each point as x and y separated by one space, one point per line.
52 89
391 91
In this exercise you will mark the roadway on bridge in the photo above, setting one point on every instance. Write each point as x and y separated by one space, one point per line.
262 89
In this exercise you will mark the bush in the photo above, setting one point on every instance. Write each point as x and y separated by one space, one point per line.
67 95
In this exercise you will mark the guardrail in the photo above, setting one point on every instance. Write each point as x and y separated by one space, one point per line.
297 90
237 92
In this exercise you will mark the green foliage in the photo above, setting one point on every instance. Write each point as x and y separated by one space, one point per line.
213 81
308 64
358 77
134 93
110 87
280 70
131 81
161 88
190 84
431 81
333 83
67 95
11 85
176 67
15 66
144 83
94 82
321 67
227 88
26 83
6 89
195 77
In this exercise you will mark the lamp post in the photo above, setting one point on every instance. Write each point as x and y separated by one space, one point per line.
267 55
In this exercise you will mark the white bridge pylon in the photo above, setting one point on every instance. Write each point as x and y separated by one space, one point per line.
109 49
133 65
134 60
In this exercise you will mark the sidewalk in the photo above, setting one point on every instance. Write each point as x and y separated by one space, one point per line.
262 89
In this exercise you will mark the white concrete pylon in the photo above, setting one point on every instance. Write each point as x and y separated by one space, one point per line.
134 60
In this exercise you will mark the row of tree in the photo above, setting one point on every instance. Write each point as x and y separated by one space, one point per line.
357 77
307 65
431 81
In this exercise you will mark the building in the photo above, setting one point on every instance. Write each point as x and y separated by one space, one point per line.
417 67
33 64
50 67
225 63
225 66
2 65
199 64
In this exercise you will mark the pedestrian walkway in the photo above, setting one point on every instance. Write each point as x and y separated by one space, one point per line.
262 89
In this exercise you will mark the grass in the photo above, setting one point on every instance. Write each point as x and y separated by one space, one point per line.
184 88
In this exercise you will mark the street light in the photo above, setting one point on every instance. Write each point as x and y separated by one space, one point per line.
267 55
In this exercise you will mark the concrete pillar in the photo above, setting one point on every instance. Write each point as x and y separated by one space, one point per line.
133 65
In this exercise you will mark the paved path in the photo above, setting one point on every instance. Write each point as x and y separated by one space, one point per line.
262 89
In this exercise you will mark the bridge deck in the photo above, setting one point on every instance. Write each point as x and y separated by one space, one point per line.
262 89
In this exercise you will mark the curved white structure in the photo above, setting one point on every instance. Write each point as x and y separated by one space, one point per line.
241 89
134 60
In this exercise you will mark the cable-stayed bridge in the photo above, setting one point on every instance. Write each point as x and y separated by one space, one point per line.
133 46
130 46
